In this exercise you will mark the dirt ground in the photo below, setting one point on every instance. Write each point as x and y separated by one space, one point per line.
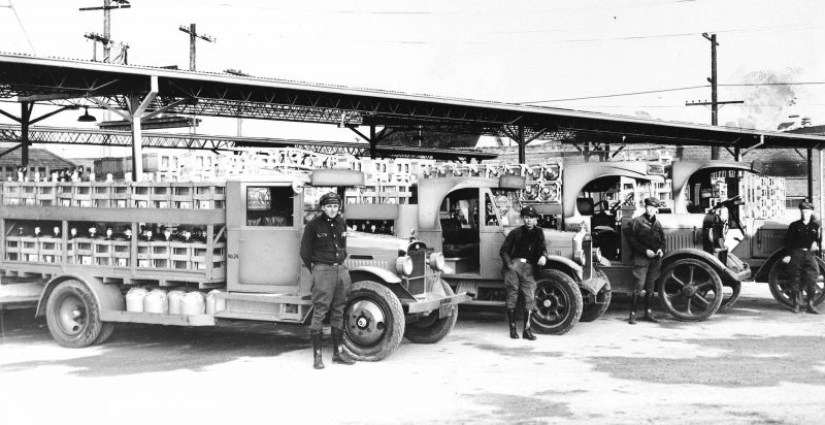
756 364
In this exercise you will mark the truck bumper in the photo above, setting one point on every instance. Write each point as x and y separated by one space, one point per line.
440 304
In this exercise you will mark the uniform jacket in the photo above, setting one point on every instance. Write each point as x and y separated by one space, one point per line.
324 241
643 234
523 243
801 235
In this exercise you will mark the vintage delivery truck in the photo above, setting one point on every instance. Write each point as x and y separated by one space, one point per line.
149 252
467 216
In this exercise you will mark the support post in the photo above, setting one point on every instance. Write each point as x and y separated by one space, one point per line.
522 147
373 141
811 174
25 119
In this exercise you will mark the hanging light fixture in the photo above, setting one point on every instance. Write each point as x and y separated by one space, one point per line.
86 117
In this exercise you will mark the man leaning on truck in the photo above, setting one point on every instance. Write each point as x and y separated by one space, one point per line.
323 251
521 252
802 240
647 241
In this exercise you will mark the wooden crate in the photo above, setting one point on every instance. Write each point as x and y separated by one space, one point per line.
82 194
46 193
161 195
13 245
183 195
29 248
141 195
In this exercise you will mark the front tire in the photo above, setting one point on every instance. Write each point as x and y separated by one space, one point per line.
592 311
73 316
780 284
690 289
431 329
373 321
558 303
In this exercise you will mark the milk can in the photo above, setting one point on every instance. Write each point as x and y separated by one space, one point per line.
134 300
192 303
175 298
213 303
155 302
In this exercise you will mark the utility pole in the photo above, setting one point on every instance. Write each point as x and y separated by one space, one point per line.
193 35
714 95
106 38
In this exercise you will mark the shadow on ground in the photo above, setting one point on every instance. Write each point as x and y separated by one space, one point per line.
135 349
748 362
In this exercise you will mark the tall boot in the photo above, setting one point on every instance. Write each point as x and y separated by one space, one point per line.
795 300
338 354
648 311
811 308
511 319
528 334
634 299
318 362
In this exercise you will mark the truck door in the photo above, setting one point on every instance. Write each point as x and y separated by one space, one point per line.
264 239
492 235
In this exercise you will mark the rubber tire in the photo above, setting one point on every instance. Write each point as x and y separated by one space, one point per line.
559 283
592 312
778 290
715 280
91 329
393 312
736 290
431 331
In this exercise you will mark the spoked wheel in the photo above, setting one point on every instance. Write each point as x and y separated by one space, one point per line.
73 316
373 321
558 303
690 289
780 283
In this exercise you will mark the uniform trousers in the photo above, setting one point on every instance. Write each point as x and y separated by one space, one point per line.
803 271
518 279
645 272
330 287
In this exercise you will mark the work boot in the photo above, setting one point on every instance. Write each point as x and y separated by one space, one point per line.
528 334
318 362
338 354
511 319
795 301
648 312
811 309
634 299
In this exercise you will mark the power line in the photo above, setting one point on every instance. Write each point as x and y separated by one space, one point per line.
704 86
22 27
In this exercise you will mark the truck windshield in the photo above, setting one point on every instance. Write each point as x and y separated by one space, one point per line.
508 204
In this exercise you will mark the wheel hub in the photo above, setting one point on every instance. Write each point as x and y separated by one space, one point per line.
367 322
689 291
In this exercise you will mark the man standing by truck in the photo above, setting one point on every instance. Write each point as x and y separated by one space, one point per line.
804 237
647 241
521 252
323 251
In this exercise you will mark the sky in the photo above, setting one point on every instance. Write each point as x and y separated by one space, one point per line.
585 54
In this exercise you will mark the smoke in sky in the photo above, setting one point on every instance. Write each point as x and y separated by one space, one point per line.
768 101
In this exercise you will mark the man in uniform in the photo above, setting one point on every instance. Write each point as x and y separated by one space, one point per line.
522 251
323 251
803 238
647 242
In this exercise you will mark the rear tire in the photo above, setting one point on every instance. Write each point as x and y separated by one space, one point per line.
73 316
431 329
781 288
373 321
558 303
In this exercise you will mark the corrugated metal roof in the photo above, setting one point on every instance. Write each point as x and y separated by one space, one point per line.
37 158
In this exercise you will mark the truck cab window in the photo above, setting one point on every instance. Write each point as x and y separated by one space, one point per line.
270 206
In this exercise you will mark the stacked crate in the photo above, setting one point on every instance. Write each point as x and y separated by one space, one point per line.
102 252
46 194
764 196
65 194
141 196
102 195
11 193
120 194
13 248
82 194
83 251
209 195
121 253
183 195
30 248
28 193
51 249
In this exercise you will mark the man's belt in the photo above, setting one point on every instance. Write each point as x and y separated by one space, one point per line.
327 264
521 260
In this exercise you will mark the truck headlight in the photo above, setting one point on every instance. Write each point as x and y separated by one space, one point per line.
437 261
404 265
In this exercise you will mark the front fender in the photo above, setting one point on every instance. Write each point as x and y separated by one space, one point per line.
765 270
562 263
372 272
108 297
708 258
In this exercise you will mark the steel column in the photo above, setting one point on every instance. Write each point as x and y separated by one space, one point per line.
522 146
811 174
373 142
